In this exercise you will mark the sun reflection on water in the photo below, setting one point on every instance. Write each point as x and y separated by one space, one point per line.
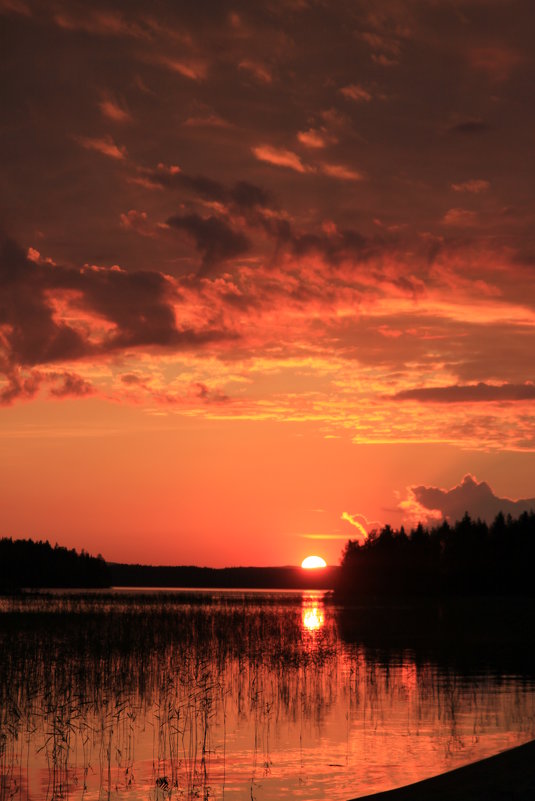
290 675
313 618
313 615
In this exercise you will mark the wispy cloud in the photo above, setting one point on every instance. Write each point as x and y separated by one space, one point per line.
280 158
355 92
461 218
361 524
257 70
474 186
314 138
113 111
104 145
341 172
334 537
194 69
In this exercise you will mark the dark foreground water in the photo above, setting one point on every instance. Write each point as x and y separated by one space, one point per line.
244 696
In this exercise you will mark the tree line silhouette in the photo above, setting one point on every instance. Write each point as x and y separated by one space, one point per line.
30 564
467 558
129 575
26 563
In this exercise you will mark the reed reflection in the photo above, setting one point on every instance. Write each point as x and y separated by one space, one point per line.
134 698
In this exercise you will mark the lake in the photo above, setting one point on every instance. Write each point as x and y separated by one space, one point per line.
245 695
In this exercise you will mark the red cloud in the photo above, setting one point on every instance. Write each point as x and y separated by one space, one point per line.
105 145
192 68
474 186
113 111
460 217
498 61
259 71
356 93
71 385
138 309
427 504
470 393
137 221
213 237
341 172
280 157
314 138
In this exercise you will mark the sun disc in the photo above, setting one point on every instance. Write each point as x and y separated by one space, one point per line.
312 562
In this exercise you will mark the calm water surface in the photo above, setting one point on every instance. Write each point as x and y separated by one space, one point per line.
231 696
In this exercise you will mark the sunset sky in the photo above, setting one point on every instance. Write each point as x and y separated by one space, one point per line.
267 271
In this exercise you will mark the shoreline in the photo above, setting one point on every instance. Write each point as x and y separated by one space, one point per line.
506 776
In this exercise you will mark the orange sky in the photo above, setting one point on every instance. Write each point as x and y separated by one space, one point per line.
264 269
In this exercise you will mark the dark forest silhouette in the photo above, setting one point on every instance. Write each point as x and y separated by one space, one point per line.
36 564
291 578
27 563
467 558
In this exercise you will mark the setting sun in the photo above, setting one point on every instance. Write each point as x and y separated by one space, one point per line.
313 562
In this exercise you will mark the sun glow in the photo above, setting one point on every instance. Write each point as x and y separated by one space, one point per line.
313 618
312 562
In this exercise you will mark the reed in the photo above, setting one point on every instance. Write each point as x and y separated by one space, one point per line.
111 692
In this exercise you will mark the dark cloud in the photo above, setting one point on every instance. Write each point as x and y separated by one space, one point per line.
18 386
476 498
181 76
471 393
524 257
471 127
71 385
32 334
242 194
131 378
139 308
278 228
173 178
248 196
213 237
140 305
334 246
208 395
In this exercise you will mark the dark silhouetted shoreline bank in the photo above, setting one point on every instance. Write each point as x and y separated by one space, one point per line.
469 558
509 776
36 564
39 565
276 578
